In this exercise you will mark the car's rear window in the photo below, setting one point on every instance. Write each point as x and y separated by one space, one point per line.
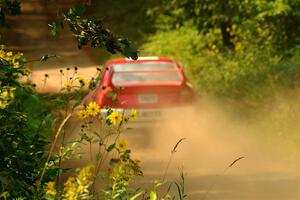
144 77
147 66
145 72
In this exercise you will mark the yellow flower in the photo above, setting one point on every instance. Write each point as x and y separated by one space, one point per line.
75 188
2 54
82 81
61 152
4 94
233 26
133 114
82 114
70 183
93 109
50 189
10 53
121 145
5 195
85 175
80 188
115 117
3 104
16 64
8 93
68 85
12 88
70 188
11 95
238 46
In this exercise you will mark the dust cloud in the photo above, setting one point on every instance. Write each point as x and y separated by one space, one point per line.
213 140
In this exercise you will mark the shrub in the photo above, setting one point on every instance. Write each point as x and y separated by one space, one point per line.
25 123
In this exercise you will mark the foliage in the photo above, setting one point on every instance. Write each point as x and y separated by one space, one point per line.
92 31
277 19
122 168
74 188
136 24
25 124
87 30
11 7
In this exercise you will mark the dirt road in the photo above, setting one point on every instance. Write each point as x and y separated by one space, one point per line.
213 140
30 34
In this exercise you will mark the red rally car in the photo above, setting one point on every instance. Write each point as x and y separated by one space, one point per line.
151 85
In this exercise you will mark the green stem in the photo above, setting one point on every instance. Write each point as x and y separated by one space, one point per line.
51 151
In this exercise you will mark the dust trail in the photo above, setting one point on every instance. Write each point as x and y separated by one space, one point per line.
213 139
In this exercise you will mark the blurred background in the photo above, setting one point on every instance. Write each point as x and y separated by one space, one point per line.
243 60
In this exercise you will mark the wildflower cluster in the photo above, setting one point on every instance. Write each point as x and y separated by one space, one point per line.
111 123
6 96
71 81
50 190
82 81
124 167
91 110
116 118
5 195
11 69
123 170
77 187
15 61
67 151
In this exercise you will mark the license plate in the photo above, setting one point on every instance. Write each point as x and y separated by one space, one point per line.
149 114
148 98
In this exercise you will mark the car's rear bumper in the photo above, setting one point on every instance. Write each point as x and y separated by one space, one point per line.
148 117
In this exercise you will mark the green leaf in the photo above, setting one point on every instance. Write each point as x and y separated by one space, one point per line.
15 8
136 196
44 58
131 52
77 10
98 156
153 195
53 28
82 41
111 147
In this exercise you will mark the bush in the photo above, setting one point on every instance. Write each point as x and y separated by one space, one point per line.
25 123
